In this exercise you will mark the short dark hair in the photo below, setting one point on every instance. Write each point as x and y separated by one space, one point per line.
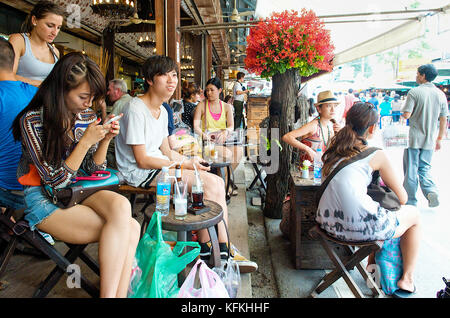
429 71
240 75
157 65
7 55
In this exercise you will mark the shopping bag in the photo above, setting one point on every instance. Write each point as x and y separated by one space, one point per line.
230 276
211 285
389 259
158 264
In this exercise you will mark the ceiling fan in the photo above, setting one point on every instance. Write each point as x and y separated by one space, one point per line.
135 20
236 16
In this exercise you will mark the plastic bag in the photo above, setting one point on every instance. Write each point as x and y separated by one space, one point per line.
159 264
230 276
211 286
390 261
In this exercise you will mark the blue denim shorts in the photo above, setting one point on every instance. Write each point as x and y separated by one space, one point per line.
9 199
38 206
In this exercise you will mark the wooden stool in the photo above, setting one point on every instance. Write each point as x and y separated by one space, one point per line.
184 228
343 266
126 189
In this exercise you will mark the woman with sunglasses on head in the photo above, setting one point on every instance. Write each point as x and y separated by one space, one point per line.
345 209
61 134
35 55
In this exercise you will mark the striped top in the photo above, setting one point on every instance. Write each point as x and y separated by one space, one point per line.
61 175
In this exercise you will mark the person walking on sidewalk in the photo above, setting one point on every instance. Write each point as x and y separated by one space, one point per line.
238 99
424 106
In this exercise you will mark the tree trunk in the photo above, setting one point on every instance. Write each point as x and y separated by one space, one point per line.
283 100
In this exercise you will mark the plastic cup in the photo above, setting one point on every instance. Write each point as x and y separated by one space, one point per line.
180 200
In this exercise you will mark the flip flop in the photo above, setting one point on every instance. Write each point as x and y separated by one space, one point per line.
401 293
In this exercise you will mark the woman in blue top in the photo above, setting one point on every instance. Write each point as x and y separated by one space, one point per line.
35 55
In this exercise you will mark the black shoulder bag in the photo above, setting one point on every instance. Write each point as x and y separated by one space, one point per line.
382 194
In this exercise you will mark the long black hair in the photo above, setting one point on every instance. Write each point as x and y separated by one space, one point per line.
68 73
351 138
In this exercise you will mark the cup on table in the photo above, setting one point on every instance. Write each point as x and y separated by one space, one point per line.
180 200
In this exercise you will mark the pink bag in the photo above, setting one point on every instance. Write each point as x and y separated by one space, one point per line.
211 284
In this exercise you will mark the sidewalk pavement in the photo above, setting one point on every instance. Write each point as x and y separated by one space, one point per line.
434 254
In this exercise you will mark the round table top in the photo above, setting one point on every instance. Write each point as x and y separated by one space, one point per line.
191 222
219 164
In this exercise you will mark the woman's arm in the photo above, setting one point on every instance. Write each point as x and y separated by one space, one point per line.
55 176
304 131
387 173
198 119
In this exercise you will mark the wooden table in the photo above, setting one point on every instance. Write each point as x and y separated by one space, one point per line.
307 252
184 228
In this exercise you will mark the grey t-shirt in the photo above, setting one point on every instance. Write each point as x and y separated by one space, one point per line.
426 103
139 127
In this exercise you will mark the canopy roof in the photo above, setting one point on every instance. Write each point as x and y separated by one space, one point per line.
351 35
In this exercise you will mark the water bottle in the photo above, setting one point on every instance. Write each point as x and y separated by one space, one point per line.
163 192
318 167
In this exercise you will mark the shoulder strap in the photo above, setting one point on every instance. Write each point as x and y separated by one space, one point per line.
353 159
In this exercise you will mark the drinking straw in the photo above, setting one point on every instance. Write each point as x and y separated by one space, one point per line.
176 183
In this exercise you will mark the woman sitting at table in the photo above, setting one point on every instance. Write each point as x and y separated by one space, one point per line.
213 120
61 134
345 209
317 133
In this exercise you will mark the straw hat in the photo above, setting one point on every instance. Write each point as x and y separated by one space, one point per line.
326 97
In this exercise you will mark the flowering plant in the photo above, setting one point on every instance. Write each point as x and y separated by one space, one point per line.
286 40
306 164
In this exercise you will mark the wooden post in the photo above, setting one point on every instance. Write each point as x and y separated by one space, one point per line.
173 38
159 27
197 56
108 47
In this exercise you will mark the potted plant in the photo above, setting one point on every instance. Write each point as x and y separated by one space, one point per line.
286 46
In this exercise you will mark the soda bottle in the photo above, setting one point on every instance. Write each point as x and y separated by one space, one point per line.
318 167
163 192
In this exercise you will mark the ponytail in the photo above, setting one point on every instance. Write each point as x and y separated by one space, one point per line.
349 141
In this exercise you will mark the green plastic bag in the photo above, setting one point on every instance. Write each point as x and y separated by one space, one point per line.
158 264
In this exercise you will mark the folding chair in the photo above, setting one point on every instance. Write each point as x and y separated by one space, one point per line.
358 251
20 231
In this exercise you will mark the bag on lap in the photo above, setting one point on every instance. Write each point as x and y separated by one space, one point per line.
84 186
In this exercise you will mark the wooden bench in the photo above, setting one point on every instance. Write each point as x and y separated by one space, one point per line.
126 189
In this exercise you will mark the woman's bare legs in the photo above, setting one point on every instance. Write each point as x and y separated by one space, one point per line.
409 231
104 217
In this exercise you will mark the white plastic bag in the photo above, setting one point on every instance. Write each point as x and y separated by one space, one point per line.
230 275
211 286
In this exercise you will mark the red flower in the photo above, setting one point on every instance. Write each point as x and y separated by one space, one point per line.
288 40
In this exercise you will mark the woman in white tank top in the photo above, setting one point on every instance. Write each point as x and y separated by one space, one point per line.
345 210
35 55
